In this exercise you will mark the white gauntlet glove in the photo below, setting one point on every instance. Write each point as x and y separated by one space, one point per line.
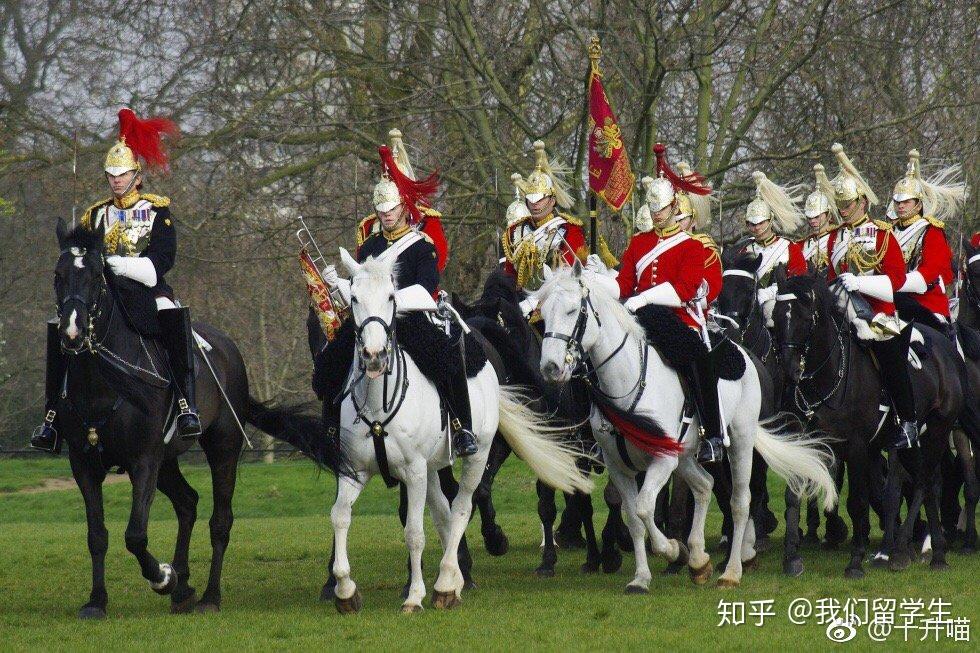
767 294
137 268
330 276
878 286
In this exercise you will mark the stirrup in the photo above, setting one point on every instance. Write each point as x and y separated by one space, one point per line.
907 438
45 437
188 421
710 450
464 441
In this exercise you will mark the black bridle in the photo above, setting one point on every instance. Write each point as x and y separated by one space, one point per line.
582 366
398 369
93 308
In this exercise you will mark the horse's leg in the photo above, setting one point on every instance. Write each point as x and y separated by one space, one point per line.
971 492
893 550
835 530
858 496
699 481
592 560
658 473
626 484
740 457
812 535
347 598
614 523
612 559
450 488
494 538
792 561
223 460
415 484
184 499
449 585
677 510
547 511
763 519
932 487
722 487
162 577
568 534
89 482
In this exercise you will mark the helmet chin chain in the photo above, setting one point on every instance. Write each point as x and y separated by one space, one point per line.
132 183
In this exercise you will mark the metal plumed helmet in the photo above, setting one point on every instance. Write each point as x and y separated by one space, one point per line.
546 180
138 139
821 200
849 185
942 195
777 203
517 210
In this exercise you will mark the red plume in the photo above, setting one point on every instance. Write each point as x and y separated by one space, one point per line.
144 137
692 183
414 193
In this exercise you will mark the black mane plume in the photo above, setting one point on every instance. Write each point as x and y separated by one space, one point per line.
84 238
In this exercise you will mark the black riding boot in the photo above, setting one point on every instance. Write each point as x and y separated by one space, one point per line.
179 341
45 436
704 384
892 356
457 395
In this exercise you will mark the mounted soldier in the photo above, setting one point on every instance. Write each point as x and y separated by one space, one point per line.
867 258
820 212
141 245
665 266
694 216
771 217
402 204
544 236
922 208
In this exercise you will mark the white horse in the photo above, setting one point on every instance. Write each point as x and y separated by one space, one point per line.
389 395
584 321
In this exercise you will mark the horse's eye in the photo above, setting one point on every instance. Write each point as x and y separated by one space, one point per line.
353 300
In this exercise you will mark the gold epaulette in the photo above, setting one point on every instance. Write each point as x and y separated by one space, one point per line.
884 225
158 201
86 220
935 222
707 241
362 228
570 219
428 210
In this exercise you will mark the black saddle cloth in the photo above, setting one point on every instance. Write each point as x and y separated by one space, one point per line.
435 353
138 304
680 346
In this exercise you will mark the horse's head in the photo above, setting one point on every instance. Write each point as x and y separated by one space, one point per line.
803 305
565 305
736 301
79 283
972 264
373 311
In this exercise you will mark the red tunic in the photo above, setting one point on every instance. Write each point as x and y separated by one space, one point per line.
791 257
975 240
935 264
570 246
430 224
892 264
683 266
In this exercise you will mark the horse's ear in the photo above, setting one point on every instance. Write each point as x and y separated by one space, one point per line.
61 231
779 275
577 268
547 272
757 263
350 264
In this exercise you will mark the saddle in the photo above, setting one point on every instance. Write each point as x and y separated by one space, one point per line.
680 346
139 306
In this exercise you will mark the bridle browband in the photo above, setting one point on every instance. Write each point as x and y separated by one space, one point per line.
394 352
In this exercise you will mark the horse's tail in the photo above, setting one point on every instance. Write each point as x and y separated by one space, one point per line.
304 431
801 459
540 445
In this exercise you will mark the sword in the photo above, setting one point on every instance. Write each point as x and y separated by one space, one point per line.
221 388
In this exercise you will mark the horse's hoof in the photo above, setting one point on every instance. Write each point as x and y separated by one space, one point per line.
968 549
763 544
938 565
445 600
683 555
810 539
879 560
722 545
854 573
328 592
186 606
544 572
702 574
727 583
206 607
169 582
793 567
411 609
352 605
751 563
672 568
612 562
469 584
92 612
590 567
636 589
899 561
496 543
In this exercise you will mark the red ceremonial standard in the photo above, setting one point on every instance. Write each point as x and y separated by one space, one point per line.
610 176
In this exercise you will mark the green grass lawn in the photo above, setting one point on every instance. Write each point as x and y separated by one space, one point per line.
280 546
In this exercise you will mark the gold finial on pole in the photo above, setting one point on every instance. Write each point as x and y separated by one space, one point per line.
595 52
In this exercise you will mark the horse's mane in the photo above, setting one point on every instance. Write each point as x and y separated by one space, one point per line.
84 238
739 258
604 302
803 285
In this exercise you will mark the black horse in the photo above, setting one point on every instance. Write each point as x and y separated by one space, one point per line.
113 413
837 389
